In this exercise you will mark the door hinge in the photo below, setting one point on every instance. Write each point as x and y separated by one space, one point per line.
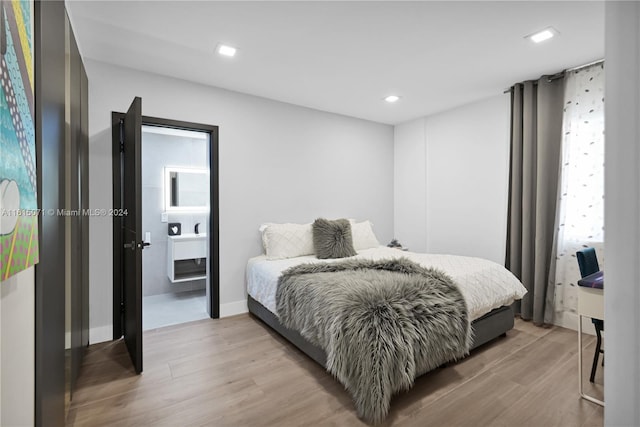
121 307
122 135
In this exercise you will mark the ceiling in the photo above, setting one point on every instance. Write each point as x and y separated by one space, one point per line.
344 57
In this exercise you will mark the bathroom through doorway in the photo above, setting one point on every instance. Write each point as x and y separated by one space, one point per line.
175 206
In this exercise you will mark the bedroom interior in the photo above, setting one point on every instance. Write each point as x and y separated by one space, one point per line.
439 169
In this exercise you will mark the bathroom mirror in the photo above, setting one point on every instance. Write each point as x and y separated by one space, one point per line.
186 189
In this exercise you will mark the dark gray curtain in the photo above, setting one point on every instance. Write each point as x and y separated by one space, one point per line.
536 139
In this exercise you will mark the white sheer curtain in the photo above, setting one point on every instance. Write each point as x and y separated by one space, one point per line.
581 208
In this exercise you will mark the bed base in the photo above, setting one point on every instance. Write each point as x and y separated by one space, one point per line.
486 328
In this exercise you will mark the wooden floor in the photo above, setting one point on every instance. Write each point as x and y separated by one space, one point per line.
238 372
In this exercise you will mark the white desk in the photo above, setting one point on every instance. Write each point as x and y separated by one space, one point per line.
590 304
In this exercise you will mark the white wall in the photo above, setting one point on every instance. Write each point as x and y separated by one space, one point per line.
278 162
410 185
467 179
17 331
622 214
463 155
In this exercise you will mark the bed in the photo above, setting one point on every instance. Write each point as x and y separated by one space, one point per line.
487 289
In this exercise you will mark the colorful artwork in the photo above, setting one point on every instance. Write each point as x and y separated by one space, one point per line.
18 183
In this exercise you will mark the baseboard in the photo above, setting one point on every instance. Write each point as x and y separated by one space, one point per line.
100 334
233 308
569 320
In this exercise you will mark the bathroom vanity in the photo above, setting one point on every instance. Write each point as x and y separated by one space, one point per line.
187 257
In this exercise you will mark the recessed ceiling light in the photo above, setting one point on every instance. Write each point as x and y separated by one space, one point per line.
392 98
225 50
543 35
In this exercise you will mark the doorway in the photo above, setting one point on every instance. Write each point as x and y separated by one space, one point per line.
175 215
130 238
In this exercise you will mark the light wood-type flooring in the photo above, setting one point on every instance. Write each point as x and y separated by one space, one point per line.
238 372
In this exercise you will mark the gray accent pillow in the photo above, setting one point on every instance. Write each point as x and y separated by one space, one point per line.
332 239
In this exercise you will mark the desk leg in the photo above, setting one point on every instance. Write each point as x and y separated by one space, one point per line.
584 396
580 355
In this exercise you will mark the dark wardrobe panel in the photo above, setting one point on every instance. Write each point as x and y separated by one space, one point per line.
76 145
52 135
49 33
84 199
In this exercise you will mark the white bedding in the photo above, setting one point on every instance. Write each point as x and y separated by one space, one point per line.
484 284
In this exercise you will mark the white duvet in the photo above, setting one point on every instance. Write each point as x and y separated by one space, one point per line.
484 284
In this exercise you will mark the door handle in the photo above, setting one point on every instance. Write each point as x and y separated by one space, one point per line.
133 245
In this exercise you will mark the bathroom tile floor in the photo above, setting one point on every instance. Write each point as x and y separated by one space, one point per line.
171 309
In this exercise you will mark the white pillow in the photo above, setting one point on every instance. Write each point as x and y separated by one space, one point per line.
287 240
363 236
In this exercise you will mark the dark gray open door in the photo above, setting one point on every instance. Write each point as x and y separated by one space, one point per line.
132 232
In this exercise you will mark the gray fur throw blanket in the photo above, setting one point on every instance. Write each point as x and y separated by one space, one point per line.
381 323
